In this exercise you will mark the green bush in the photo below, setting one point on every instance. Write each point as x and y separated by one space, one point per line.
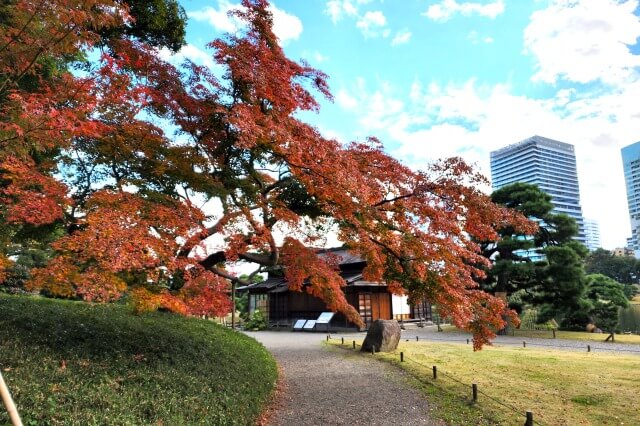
73 363
257 321
576 321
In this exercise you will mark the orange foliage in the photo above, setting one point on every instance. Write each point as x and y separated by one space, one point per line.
5 264
31 197
242 146
126 232
62 278
202 294
205 293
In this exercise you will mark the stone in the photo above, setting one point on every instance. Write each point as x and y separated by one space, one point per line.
383 336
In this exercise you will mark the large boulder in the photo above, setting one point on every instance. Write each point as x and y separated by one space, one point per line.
383 336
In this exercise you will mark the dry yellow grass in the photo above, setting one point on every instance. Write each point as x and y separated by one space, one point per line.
559 387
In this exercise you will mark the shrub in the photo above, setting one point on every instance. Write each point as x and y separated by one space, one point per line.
257 321
576 321
73 363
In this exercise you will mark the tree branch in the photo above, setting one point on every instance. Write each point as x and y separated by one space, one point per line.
228 276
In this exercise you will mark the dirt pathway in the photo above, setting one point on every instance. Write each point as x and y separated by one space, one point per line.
328 386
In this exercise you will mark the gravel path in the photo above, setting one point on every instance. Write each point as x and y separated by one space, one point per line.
328 386
430 333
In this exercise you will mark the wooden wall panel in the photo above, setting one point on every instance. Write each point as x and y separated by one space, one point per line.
381 305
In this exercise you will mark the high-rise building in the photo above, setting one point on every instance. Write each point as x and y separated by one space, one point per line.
631 166
622 251
544 162
592 234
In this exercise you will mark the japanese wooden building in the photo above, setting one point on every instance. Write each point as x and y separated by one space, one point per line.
371 299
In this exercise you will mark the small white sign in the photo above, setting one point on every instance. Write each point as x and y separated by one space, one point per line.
299 324
325 318
310 324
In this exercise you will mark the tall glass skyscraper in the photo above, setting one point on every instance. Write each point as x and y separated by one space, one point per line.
631 166
592 234
547 163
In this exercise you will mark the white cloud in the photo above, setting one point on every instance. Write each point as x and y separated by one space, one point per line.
334 10
476 38
584 41
192 53
373 24
319 57
345 100
337 9
314 56
401 37
218 18
446 9
471 120
285 25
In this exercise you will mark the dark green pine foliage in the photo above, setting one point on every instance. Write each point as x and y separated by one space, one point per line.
544 270
159 23
513 267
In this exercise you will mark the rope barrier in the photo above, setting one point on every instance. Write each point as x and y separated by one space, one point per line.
466 385
507 406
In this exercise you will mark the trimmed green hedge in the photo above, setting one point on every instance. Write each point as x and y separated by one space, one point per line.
74 363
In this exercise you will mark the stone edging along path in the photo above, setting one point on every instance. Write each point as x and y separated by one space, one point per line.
323 386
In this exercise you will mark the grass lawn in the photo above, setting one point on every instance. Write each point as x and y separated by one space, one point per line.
559 387
73 363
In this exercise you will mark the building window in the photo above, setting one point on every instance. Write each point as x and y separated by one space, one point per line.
364 308
259 302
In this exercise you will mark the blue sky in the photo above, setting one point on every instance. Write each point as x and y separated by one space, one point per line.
435 78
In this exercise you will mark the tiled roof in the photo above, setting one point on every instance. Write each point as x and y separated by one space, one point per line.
279 284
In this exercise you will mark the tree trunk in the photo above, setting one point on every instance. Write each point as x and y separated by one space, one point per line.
502 295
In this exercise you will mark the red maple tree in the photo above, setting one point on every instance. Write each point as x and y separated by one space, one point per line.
130 198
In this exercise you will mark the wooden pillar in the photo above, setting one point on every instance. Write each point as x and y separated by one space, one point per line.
233 305
8 403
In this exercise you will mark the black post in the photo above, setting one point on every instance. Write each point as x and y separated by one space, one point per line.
417 338
588 348
327 337
529 421
435 372
354 344
343 340
467 341
401 356
554 333
474 390
524 344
